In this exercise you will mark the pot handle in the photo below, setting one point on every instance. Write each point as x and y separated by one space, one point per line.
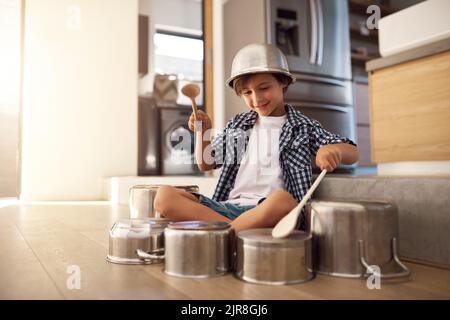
403 273
311 221
150 256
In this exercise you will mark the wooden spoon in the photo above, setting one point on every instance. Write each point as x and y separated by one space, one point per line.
286 225
191 91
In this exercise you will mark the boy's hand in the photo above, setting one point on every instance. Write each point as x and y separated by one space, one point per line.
201 116
328 157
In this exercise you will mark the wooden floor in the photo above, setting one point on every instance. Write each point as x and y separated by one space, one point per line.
39 241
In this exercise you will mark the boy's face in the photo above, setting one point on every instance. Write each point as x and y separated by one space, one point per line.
263 93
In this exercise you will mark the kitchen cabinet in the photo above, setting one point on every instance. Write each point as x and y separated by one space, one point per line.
143 45
361 95
410 107
364 41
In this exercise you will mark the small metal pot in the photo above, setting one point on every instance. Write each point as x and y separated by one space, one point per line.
134 241
197 249
351 236
141 199
263 259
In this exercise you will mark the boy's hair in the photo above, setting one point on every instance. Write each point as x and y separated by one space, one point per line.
281 78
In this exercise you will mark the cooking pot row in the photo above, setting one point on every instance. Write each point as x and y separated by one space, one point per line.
201 249
345 239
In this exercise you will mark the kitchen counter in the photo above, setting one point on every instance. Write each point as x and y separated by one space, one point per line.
409 55
39 241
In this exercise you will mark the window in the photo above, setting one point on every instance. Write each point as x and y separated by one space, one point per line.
179 54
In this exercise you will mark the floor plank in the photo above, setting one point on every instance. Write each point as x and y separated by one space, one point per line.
21 274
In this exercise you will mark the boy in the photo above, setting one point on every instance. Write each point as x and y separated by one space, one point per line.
265 154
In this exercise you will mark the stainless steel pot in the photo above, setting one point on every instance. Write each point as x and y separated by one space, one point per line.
197 249
350 236
266 260
134 241
141 199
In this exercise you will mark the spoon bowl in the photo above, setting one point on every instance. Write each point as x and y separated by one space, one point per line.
286 225
191 91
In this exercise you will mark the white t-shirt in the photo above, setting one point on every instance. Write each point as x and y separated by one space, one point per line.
259 172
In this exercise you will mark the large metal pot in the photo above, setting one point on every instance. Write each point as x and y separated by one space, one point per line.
141 199
133 241
276 261
351 236
197 249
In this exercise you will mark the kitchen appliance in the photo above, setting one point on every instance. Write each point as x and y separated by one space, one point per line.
128 236
149 159
351 236
141 198
263 259
314 36
177 142
198 249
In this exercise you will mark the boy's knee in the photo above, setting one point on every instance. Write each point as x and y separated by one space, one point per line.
277 205
284 200
164 198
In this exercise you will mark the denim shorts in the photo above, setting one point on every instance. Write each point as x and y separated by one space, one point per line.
228 210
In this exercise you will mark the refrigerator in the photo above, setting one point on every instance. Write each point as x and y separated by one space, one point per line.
314 35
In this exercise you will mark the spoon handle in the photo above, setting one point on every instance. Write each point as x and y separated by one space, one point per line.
312 188
194 108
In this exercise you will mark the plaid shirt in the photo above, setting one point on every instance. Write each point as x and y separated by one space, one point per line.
300 139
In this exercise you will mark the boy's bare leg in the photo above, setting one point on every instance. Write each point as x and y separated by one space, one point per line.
266 214
180 205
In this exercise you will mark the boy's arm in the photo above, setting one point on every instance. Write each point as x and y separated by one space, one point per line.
329 156
331 149
201 129
200 151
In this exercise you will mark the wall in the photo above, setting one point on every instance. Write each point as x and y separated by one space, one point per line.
218 66
10 12
80 102
244 23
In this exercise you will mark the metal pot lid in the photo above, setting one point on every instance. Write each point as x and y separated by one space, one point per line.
136 224
199 225
156 186
264 237
349 203
121 260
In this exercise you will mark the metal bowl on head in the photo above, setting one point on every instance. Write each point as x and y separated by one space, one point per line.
262 259
258 58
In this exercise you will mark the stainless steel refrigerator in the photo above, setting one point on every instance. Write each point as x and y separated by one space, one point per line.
314 36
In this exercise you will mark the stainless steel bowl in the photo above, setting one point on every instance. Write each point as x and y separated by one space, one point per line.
141 198
134 241
197 249
350 236
256 58
276 261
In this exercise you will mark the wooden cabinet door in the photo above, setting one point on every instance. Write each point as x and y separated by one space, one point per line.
410 110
